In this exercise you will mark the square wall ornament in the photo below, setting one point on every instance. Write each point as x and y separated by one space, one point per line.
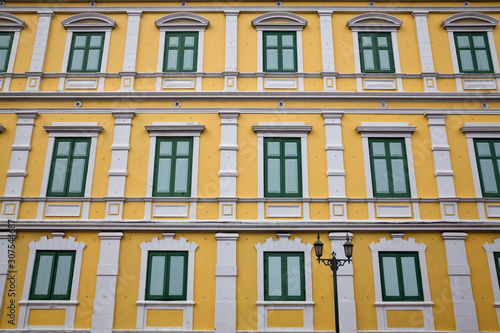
114 209
227 210
9 209
449 210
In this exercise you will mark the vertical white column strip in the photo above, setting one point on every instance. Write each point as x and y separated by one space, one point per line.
461 288
130 53
326 31
39 51
345 285
442 164
225 283
335 172
107 274
118 169
424 49
18 162
231 56
228 157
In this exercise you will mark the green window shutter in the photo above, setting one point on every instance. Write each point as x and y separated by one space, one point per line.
284 277
166 276
488 159
375 52
400 276
389 168
5 48
173 167
280 51
473 52
52 275
282 167
68 171
181 52
86 52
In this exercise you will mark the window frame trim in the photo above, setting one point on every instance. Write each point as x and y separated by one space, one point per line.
86 51
496 171
181 57
25 304
376 54
284 285
487 48
9 48
264 49
13 24
165 297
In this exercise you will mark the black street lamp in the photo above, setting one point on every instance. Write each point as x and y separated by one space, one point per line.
334 264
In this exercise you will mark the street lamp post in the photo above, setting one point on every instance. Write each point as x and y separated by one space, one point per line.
334 265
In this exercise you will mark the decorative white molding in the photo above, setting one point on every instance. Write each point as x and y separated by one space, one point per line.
487 84
373 84
282 130
225 283
385 210
275 210
130 53
335 163
87 22
39 51
388 130
469 22
442 165
107 274
461 288
283 244
345 284
327 54
81 84
119 159
231 47
26 305
280 83
18 162
491 249
178 83
70 130
170 210
397 244
166 244
228 163
171 129
478 131
10 23
424 48
66 210
181 22
493 210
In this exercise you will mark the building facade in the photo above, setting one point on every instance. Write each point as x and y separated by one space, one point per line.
169 165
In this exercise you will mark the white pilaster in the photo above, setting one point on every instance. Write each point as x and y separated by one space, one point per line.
424 48
130 54
345 285
18 161
39 51
227 173
335 164
6 243
461 289
105 291
231 70
118 168
329 74
442 164
225 283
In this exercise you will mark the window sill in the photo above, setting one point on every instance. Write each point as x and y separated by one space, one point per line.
403 304
48 302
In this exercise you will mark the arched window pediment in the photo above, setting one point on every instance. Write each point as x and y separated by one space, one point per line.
469 21
182 20
374 22
89 20
11 22
279 20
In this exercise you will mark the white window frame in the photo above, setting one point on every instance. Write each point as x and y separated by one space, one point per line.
13 24
86 22
169 129
181 22
57 243
480 131
389 130
376 22
471 22
69 130
143 305
490 249
279 21
397 244
283 244
283 130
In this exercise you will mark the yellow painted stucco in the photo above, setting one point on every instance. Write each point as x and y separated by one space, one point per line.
405 318
164 318
53 317
285 318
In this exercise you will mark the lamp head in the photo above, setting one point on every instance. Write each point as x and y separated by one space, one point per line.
318 248
348 246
